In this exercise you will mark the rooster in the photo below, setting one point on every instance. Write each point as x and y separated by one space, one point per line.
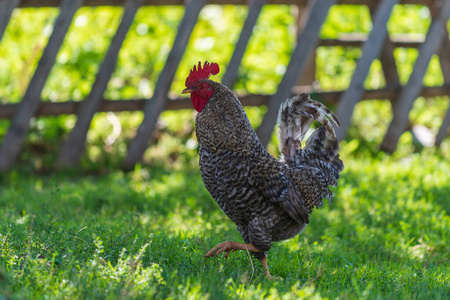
269 200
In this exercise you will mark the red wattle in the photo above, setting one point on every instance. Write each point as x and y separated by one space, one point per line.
198 102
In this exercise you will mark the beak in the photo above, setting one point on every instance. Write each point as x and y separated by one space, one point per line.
187 90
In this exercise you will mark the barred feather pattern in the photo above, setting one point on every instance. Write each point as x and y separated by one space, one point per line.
269 200
295 117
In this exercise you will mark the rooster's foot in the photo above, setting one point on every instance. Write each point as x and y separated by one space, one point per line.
266 270
229 247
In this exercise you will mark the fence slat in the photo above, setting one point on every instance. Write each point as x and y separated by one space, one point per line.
308 75
358 41
443 130
306 42
389 64
371 50
444 55
444 59
6 9
412 89
233 68
156 105
73 148
386 57
17 132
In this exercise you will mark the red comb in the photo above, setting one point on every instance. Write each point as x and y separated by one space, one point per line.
201 73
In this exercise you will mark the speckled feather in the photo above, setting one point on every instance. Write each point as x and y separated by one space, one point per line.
268 199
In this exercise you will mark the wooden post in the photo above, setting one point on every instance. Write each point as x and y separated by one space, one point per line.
443 130
306 41
308 75
73 148
412 89
18 130
233 68
444 58
388 64
156 105
6 9
387 58
371 50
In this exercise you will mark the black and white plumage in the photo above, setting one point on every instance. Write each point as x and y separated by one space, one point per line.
269 200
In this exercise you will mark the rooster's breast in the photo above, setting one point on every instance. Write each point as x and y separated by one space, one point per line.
227 177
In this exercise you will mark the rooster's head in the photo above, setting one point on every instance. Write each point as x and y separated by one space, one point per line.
197 84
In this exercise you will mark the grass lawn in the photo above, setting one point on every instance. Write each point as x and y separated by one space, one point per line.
144 235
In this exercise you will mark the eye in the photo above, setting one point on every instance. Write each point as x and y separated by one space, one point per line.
202 86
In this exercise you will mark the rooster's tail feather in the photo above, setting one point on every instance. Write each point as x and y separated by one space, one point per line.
295 118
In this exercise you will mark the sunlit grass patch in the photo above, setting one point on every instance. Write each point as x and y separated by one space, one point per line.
144 234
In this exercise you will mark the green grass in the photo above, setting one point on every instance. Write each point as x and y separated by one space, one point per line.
144 235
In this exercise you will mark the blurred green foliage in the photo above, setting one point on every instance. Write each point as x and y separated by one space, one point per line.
143 56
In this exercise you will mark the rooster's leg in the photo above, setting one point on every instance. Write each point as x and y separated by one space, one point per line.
266 267
229 247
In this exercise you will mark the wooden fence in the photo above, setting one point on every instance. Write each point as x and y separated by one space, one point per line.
376 45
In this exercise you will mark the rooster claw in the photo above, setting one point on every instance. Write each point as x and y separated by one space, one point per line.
229 247
222 247
274 278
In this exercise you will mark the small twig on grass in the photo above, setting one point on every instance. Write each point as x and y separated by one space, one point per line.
5 240
442 260
251 262
319 274
80 230
75 236
425 266
30 233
